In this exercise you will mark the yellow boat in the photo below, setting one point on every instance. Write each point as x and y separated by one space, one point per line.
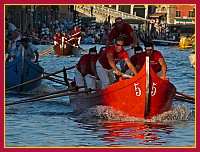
186 42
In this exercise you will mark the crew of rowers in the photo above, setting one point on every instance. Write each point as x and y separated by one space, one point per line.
125 50
102 66
74 38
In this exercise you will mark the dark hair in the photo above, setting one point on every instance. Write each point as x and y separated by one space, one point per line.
93 50
119 39
18 41
138 48
148 44
102 50
24 39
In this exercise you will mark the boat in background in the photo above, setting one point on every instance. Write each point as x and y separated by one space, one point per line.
21 70
143 96
66 48
186 42
165 43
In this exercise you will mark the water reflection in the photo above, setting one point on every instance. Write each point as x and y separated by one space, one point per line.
122 134
117 129
142 133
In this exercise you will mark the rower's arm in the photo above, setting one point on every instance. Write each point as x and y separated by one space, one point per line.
36 55
134 37
164 67
130 65
108 44
112 64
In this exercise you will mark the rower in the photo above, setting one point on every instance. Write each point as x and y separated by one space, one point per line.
157 61
85 71
108 59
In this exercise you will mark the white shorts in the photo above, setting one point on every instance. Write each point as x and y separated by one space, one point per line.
88 80
106 76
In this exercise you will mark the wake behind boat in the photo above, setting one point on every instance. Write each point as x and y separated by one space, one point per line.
143 96
22 70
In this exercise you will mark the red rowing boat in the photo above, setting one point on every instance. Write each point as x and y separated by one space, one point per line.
65 48
143 96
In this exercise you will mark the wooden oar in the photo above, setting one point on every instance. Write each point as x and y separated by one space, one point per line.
78 47
59 76
82 50
50 96
124 75
56 80
184 99
23 101
185 95
46 51
37 79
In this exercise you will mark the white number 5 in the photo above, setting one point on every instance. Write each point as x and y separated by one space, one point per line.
153 89
137 89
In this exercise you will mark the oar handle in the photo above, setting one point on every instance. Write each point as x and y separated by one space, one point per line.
124 75
184 99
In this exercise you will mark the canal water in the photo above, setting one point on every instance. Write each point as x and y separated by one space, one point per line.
52 123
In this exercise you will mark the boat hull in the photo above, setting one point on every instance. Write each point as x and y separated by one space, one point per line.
66 50
165 43
19 71
130 95
81 102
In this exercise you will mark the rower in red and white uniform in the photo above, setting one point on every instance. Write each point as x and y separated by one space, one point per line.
156 59
76 36
124 30
57 38
108 59
85 71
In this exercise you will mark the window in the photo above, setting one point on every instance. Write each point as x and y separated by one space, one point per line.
178 13
191 14
163 9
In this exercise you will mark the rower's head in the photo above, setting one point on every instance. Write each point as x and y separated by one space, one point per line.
102 50
119 43
24 42
93 51
18 43
138 50
119 23
64 33
149 48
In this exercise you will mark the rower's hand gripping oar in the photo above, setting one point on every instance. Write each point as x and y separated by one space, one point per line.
124 75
